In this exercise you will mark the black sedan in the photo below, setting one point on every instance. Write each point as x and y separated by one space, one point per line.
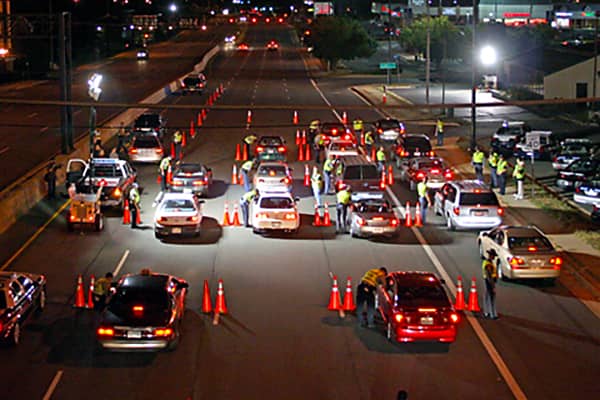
412 145
144 313
21 296
577 172
193 178
271 148
336 130
150 122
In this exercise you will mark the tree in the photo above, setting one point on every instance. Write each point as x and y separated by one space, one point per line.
340 38
443 33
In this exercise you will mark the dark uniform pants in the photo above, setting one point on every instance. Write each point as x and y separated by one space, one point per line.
244 207
478 171
134 212
365 295
489 301
501 182
342 214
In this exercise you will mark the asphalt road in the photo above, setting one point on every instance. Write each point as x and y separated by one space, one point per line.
279 340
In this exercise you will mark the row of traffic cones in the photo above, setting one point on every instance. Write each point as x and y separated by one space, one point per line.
335 300
127 214
408 220
300 137
304 152
80 297
234 220
326 220
473 304
241 154
220 302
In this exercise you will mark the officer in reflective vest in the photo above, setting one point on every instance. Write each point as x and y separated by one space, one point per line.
313 128
493 164
163 168
134 204
501 170
357 126
380 156
316 181
245 201
477 161
519 175
245 171
424 200
328 168
249 141
366 292
369 141
439 132
101 291
319 146
177 140
490 275
343 201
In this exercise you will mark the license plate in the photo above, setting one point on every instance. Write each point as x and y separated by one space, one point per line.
276 223
270 151
134 335
417 153
176 230
426 320
377 230
479 213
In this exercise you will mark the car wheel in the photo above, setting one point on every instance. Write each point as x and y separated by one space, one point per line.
481 251
157 235
15 335
449 223
42 300
389 332
172 346
99 223
255 231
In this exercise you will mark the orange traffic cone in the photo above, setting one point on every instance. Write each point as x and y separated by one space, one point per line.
221 88
473 297
459 304
236 216
307 156
203 113
298 139
90 299
79 295
226 221
418 220
126 214
348 298
326 217
210 100
382 181
390 175
183 136
344 118
192 132
241 179
173 150
373 153
303 136
407 217
295 119
206 303
158 179
199 120
317 219
245 153
234 175
362 139
138 218
220 303
238 157
249 117
306 175
335 302
300 153
384 99
169 176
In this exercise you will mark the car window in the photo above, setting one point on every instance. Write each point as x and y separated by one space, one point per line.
512 131
146 142
147 121
152 301
473 199
25 282
276 202
16 290
421 144
343 146
373 208
189 169
352 172
390 124
429 164
179 204
190 81
370 172
533 242
416 293
107 171
500 238
270 141
575 150
584 166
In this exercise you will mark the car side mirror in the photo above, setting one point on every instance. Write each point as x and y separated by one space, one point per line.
183 285
296 199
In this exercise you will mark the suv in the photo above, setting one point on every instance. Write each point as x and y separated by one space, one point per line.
412 145
114 176
148 122
192 84
539 144
468 204
360 174
508 135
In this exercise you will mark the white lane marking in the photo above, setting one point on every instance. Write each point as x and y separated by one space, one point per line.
33 114
121 262
337 115
4 149
53 385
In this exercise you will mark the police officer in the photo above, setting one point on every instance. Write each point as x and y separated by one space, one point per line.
343 201
477 161
493 164
490 276
121 139
177 142
101 291
245 171
424 200
247 198
366 292
328 168
316 181
369 140
501 171
357 126
313 128
249 141
134 204
380 156
519 175
98 149
50 178
163 169
319 146
439 132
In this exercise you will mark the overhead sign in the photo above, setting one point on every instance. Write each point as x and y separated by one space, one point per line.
323 8
387 65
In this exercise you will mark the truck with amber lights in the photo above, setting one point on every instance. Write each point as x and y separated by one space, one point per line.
85 210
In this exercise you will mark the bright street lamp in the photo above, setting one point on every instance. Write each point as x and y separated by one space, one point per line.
488 56
94 92
173 7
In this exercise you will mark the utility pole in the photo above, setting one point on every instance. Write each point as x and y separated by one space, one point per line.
388 71
595 72
475 16
66 66
427 55
50 37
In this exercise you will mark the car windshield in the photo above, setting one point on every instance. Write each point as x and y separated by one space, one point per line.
430 164
189 169
276 170
420 291
537 242
190 81
152 300
389 124
473 199
107 171
179 205
575 150
345 146
421 144
145 142
147 121
270 141
276 202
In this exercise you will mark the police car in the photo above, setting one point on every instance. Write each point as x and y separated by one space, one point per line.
275 211
177 214
508 135
370 214
571 150
588 192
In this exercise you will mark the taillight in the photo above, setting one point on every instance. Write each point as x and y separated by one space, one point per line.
281 149
379 130
532 249
456 210
339 184
193 218
158 151
394 222
402 129
105 331
290 216
178 183
556 261
261 180
117 192
454 318
163 332
72 217
162 219
133 150
262 215
448 175
285 180
398 317
420 175
382 184
199 182
260 149
361 221
334 131
500 211
516 261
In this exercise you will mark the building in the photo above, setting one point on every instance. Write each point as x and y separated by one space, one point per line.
573 82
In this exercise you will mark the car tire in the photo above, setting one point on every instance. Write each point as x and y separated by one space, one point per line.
172 346
15 335
450 224
99 223
157 235
389 331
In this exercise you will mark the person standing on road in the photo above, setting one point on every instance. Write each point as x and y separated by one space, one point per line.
98 149
245 201
121 139
313 128
369 141
134 204
249 141
357 126
343 201
101 291
501 171
163 169
177 142
316 181
490 276
319 146
493 164
365 295
424 200
439 132
381 160
245 171
72 191
328 168
519 175
477 161
50 178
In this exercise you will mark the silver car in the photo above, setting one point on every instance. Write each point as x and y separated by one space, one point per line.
272 175
522 252
371 215
146 148
177 214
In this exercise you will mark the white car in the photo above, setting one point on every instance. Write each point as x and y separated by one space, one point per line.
146 148
275 211
341 148
273 175
177 214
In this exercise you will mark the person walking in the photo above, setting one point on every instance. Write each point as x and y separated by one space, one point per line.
328 168
163 169
50 178
501 171
519 175
319 146
477 161
245 171
316 182
249 140
424 199
121 139
343 201
365 295
369 141
177 142
357 127
381 159
134 204
439 132
245 201
490 276
493 164
101 291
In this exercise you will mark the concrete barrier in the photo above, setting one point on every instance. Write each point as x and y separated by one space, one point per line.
19 197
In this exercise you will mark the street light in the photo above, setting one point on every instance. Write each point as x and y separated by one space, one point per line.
488 56
173 7
94 91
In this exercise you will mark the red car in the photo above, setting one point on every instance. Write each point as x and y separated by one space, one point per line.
415 307
243 47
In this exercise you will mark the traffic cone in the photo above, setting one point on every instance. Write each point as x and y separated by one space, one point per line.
220 303
362 139
459 304
173 150
138 218
473 297
308 155
199 119
373 153
206 303
418 220
390 175
126 214
226 221
236 216
300 153
249 117
183 136
344 118
348 298
221 88
169 176
203 114
295 119
192 132
238 157
408 218
241 179
298 139
209 101
79 295
306 175
245 153
158 179
335 302
234 175
317 219
382 181
326 217
90 299
384 98
303 136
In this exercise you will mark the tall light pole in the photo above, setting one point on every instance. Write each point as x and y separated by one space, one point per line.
595 72
474 16
389 73
94 92
427 54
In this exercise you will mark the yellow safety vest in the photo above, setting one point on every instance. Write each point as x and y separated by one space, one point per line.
372 276
501 168
489 270
369 138
380 155
328 165
247 166
440 126
493 160
177 137
101 287
343 197
250 139
314 124
519 171
421 189
316 179
357 124
478 157
249 196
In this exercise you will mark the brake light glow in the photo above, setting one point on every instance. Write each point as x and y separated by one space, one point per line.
377 218
158 151
281 149
72 217
448 174
382 185
500 211
346 137
394 222
193 218
456 210
556 261
435 171
532 249
260 149
334 131
138 308
133 150
290 216
516 261
285 180
427 309
162 219
361 221
105 331
198 183
420 175
454 317
404 153
262 215
398 317
379 130
163 332
177 182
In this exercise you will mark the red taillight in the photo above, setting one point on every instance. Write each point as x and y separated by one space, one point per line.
382 184
281 149
105 331
454 318
427 309
500 211
199 182
133 150
260 149
403 153
532 249
346 137
394 222
556 261
361 221
448 175
516 261
163 332
398 317
420 175
456 210
158 151
193 218
290 216
138 308
339 184
286 180
162 219
178 183
72 217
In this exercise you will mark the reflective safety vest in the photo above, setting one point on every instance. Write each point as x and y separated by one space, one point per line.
102 287
489 270
380 155
316 179
502 166
369 139
250 139
328 165
134 196
357 124
343 197
339 169
519 171
421 189
493 160
314 124
247 166
249 196
372 276
177 137
164 165
478 157
440 126
320 140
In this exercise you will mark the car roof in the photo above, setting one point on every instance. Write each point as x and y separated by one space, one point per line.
428 159
108 161
356 160
512 124
522 231
275 192
177 196
272 164
151 282
387 120
472 185
415 136
189 166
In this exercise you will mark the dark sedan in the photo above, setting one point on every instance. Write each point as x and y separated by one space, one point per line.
271 148
21 296
577 172
335 130
193 178
412 145
144 313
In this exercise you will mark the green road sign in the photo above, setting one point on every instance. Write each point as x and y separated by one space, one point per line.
388 65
